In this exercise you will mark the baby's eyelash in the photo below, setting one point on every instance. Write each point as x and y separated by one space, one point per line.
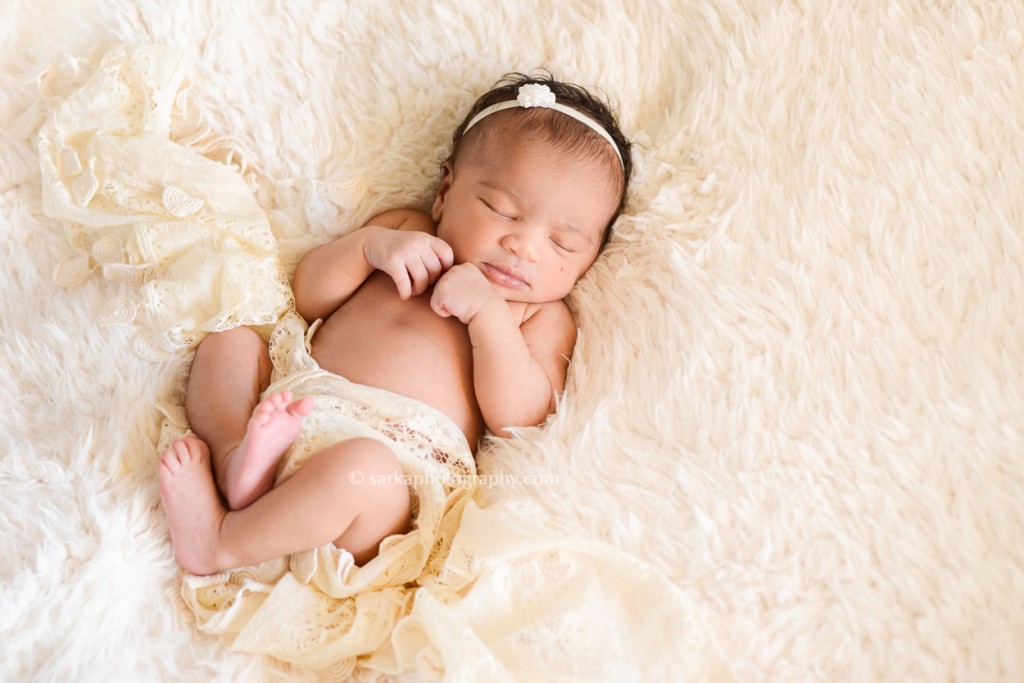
563 247
495 210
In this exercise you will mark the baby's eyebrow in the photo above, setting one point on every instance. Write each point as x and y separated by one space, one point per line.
499 188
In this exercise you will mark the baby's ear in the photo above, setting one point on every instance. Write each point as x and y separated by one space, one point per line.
442 190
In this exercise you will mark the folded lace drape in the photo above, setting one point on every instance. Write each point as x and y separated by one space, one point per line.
150 198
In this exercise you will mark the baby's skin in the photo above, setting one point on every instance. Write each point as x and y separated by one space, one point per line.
461 309
187 487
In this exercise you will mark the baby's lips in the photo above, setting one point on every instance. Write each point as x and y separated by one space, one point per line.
505 276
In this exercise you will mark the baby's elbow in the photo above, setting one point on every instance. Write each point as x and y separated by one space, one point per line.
500 432
508 430
505 428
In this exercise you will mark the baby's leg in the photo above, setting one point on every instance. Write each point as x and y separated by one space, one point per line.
246 440
352 493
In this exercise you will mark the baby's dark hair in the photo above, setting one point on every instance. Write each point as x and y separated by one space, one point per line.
567 133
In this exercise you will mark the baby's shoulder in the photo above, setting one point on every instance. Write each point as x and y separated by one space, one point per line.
405 219
549 329
553 316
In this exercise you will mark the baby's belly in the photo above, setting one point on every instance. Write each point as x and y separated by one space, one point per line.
379 340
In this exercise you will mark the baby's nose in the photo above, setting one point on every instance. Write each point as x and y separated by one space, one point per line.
525 246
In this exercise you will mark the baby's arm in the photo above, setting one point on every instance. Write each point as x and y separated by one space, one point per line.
518 369
399 242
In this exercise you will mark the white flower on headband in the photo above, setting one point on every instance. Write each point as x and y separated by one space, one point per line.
535 95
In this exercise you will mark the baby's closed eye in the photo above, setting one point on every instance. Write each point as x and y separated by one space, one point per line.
562 245
501 212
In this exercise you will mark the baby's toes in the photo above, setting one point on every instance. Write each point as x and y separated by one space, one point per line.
261 416
195 447
277 401
301 408
182 450
264 407
265 410
169 460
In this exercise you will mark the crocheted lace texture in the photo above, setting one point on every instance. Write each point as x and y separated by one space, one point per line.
151 198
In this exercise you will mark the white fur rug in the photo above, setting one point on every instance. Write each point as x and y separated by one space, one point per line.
798 388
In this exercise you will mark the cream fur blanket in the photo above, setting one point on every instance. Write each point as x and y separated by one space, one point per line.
797 392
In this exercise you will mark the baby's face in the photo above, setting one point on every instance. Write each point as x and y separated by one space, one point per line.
527 215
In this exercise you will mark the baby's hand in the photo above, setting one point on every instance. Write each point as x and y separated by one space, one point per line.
462 292
413 259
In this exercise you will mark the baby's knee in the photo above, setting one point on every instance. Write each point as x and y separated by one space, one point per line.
368 466
230 348
375 484
234 338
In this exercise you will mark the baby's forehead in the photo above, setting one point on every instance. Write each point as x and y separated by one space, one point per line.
494 144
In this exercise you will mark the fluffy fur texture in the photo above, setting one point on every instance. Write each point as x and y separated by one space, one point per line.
797 389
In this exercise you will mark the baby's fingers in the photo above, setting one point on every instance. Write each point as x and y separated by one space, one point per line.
444 253
426 272
439 304
400 275
435 266
419 274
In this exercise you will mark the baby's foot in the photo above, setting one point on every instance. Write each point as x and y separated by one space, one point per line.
194 511
273 427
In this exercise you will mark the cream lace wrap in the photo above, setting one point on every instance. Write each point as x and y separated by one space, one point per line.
317 608
122 171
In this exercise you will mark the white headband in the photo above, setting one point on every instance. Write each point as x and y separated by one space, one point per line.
539 95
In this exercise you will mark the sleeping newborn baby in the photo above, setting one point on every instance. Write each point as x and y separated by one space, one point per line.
418 332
